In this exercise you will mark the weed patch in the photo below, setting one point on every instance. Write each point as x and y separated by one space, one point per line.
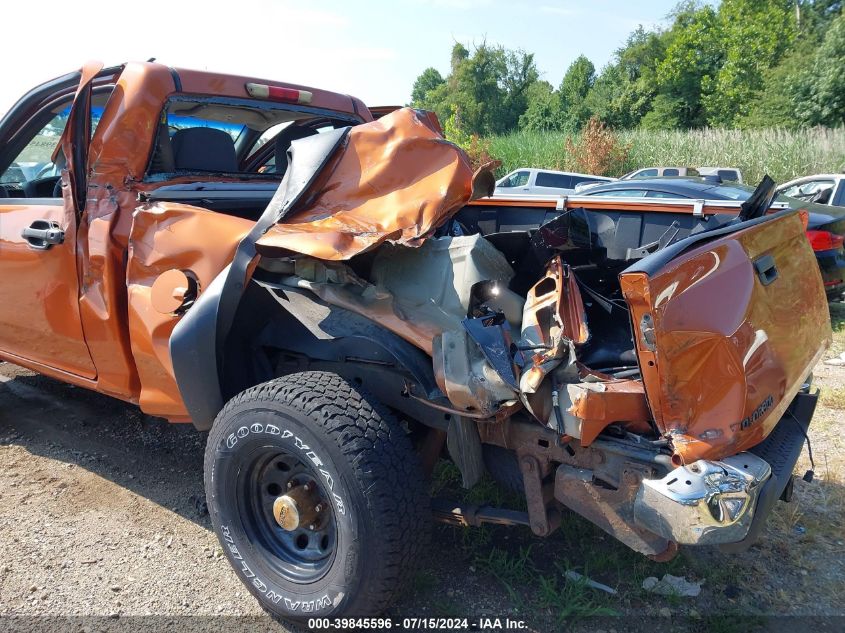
783 154
833 397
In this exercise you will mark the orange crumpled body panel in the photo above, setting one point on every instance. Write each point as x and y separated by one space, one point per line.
396 179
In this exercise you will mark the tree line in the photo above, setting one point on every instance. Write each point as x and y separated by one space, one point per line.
744 64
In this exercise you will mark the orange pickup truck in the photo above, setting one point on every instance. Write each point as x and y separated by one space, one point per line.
333 296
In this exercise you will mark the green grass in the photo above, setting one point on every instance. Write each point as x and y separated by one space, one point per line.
783 154
511 570
571 600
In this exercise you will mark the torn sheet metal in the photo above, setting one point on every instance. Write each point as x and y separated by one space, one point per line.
395 179
589 407
553 322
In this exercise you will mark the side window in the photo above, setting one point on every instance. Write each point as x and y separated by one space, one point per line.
620 193
645 173
791 191
33 174
519 179
558 181
663 194
281 136
813 190
671 172
35 161
728 174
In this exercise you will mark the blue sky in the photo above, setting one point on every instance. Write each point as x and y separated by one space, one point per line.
373 49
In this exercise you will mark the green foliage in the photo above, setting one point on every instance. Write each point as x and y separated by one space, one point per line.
824 86
486 91
571 600
542 112
665 114
693 56
429 80
733 64
754 35
775 105
576 84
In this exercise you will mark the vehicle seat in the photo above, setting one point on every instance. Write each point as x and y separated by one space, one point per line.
822 196
204 149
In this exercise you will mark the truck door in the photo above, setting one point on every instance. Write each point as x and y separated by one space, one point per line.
40 323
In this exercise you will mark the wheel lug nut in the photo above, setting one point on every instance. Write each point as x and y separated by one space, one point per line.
312 526
290 485
307 487
318 508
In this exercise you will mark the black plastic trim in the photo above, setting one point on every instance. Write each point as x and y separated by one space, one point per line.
177 82
781 450
654 263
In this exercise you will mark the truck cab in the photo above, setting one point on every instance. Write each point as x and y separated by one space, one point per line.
100 138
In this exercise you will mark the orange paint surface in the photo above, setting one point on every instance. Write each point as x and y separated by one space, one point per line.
727 352
396 180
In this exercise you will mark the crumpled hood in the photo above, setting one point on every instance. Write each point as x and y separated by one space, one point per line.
395 179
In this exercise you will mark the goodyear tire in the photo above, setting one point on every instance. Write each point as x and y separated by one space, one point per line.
353 503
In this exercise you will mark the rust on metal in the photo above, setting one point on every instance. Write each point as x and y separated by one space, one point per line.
299 507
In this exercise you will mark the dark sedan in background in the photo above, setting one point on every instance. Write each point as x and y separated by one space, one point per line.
825 228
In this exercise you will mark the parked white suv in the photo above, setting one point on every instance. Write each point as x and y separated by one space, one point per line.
531 181
821 188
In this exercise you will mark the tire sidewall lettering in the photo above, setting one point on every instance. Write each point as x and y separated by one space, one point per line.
265 589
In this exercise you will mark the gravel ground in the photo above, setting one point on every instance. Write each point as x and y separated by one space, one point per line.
102 514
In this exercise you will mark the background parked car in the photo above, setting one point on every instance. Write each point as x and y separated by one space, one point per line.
657 172
528 181
723 173
826 189
824 230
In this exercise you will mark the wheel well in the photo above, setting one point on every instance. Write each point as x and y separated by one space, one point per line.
280 330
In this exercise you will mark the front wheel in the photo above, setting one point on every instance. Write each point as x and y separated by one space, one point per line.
316 495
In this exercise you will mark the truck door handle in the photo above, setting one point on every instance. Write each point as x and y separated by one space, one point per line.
766 269
42 234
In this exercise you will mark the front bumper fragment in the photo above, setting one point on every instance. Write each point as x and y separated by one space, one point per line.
703 503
